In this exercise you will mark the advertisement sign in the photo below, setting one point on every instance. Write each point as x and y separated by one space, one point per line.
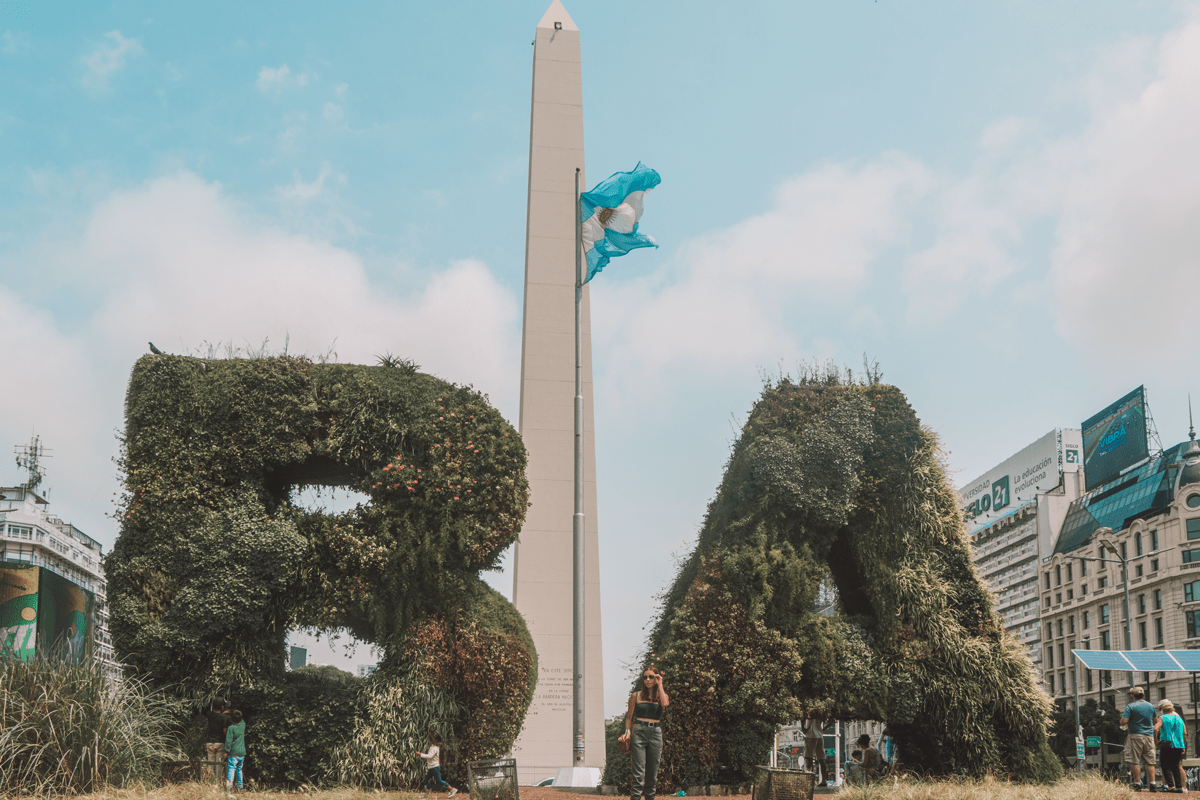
1037 468
64 616
19 610
1114 439
40 609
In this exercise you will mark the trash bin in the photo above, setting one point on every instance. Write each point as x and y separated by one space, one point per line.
784 784
493 779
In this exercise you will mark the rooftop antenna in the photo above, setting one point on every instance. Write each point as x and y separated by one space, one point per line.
29 458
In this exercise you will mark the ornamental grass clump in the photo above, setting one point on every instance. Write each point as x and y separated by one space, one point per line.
65 728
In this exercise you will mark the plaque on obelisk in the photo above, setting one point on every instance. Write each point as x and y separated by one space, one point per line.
542 579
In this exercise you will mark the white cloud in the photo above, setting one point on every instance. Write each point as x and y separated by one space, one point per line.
1128 197
107 58
302 192
730 299
275 80
192 270
15 44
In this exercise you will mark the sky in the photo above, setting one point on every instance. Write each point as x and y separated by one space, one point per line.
999 203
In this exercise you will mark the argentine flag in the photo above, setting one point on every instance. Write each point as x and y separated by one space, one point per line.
610 215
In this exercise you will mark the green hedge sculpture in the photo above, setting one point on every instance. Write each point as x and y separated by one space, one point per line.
214 564
840 484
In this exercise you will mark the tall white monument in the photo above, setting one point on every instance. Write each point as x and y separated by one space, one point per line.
542 580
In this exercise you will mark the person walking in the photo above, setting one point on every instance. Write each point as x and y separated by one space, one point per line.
814 749
643 733
1138 719
1170 738
433 764
235 746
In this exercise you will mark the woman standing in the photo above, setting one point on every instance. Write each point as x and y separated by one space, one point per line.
642 725
1170 735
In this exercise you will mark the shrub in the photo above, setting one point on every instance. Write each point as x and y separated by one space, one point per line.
838 484
65 728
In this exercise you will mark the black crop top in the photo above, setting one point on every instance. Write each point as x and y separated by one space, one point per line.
647 710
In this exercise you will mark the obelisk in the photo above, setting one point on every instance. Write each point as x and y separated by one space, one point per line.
542 579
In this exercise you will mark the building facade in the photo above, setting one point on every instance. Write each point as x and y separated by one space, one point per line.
29 534
1013 515
1153 512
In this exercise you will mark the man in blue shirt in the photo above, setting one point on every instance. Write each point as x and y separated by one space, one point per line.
1138 718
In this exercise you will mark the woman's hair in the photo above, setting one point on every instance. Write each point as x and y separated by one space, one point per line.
237 716
1167 706
436 738
653 698
864 740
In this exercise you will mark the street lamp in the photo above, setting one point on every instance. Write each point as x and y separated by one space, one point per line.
1106 543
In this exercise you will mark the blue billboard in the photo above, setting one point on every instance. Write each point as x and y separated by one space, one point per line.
1114 439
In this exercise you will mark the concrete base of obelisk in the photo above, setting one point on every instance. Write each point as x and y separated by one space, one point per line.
578 777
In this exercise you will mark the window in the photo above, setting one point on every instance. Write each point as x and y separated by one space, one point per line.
1089 679
1191 591
1071 624
1125 551
1069 578
1105 642
1070 594
1158 599
1060 627
1195 690
1190 556
1049 656
1104 615
1086 620
1191 618
1083 569
1058 574
1083 589
1049 630
1193 529
1193 501
1047 599
1102 583
1158 636
1142 634
20 532
1141 604
1154 565
1047 580
1137 570
1057 598
1062 657
1153 541
1162 693
1137 544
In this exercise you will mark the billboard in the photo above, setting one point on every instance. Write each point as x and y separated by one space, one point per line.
1037 468
40 609
64 616
19 610
1114 439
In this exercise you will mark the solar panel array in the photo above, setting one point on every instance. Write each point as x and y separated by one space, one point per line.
1141 660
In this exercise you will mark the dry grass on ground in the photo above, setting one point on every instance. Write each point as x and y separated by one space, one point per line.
1089 788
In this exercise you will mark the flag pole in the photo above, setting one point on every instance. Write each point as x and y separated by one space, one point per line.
577 527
